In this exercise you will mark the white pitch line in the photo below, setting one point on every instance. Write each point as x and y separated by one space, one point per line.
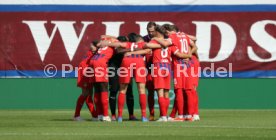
209 126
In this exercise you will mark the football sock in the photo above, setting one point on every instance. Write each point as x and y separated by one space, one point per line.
97 100
195 102
190 99
79 105
90 105
167 101
104 101
112 102
151 104
174 109
179 101
121 103
130 100
162 106
143 104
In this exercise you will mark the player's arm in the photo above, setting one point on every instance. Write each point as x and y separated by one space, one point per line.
142 52
163 42
182 55
193 38
193 46
108 36
124 50
152 46
112 44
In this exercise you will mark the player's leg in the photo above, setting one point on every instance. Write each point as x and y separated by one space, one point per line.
104 100
151 100
81 99
174 110
142 101
185 108
113 90
90 104
121 101
130 102
149 85
190 103
162 105
167 101
196 113
151 104
196 79
97 100
179 103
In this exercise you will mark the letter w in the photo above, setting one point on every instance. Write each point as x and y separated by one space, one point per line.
67 31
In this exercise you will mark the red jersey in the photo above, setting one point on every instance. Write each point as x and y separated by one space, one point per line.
85 61
182 42
161 55
134 57
103 54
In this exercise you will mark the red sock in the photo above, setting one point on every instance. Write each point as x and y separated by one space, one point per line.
190 99
195 102
90 105
185 99
151 103
121 104
143 104
162 106
97 100
167 101
174 109
104 100
179 101
79 105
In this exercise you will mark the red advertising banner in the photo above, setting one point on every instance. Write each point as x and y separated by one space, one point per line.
243 42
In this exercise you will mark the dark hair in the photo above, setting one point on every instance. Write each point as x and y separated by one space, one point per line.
139 37
176 28
160 29
95 42
166 26
170 28
122 38
151 24
132 37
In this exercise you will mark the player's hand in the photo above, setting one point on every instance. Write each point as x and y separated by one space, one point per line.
189 54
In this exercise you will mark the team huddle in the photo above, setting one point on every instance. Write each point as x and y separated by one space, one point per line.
152 61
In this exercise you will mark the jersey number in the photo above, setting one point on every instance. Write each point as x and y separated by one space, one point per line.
184 45
164 53
133 46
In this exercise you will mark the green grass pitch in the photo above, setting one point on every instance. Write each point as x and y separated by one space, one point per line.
214 125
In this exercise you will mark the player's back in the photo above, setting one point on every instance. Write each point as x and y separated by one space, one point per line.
85 60
134 58
161 55
182 42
